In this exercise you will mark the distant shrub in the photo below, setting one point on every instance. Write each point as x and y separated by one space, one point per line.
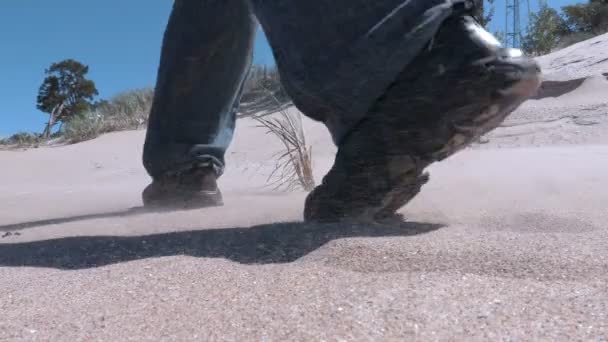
22 139
82 127
262 93
126 111
129 110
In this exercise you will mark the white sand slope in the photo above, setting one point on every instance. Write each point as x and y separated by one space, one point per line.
572 107
584 59
508 241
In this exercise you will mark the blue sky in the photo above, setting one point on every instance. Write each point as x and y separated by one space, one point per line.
119 40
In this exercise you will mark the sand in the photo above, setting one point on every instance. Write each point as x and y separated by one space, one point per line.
508 241
583 59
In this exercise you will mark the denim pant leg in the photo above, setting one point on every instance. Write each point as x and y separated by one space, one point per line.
206 54
338 57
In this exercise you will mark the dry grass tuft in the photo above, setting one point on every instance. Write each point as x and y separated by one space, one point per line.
293 168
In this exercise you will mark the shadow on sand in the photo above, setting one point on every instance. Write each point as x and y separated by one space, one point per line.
69 219
263 244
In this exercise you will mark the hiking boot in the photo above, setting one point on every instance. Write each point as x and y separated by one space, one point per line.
190 189
461 86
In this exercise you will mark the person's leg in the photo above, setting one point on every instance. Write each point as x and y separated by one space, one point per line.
461 86
400 84
206 54
337 57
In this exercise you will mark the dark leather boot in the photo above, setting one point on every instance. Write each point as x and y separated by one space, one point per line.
463 85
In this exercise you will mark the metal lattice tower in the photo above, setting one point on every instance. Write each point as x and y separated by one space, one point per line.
513 23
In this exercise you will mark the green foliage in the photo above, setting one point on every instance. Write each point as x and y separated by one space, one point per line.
591 17
82 127
481 15
65 92
126 111
22 139
129 110
546 29
578 17
549 30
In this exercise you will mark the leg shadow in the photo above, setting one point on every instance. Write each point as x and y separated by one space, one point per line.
263 244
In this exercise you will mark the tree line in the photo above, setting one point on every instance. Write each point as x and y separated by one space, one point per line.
68 96
550 29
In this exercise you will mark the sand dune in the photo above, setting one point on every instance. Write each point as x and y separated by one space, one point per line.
507 241
572 106
584 59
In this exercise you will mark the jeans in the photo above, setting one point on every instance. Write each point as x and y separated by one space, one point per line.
335 58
